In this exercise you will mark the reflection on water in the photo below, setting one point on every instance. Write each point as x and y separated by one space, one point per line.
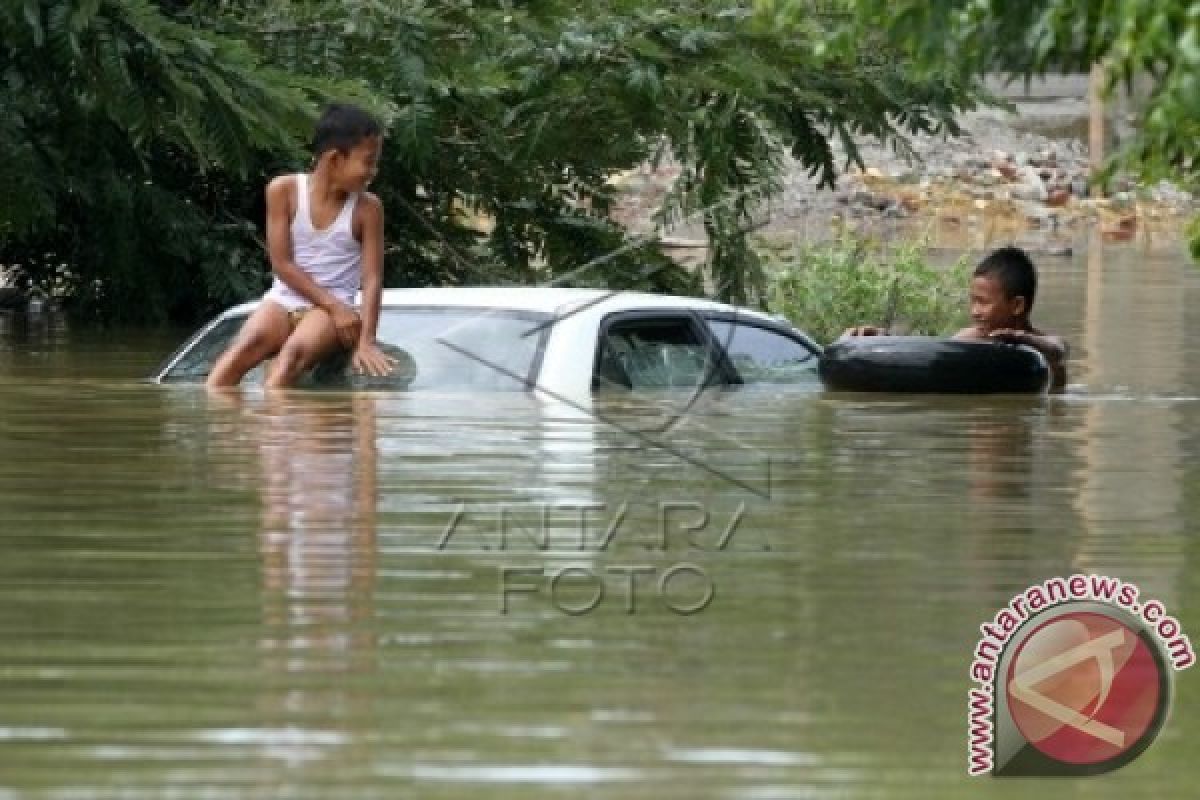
300 595
1137 325
317 461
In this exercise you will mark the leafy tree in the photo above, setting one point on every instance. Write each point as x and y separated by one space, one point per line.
127 139
139 135
523 111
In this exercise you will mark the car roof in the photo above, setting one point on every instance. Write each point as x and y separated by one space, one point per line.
543 299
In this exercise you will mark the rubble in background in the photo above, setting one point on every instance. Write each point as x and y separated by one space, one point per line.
995 182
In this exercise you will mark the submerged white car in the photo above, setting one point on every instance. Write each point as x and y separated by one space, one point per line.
558 342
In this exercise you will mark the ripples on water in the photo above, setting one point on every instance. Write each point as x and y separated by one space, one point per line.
301 597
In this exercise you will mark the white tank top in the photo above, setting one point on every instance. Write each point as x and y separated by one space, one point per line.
332 257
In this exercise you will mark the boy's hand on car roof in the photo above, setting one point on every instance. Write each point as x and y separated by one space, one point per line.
370 360
866 330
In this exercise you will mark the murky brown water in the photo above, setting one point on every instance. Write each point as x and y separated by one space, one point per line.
302 598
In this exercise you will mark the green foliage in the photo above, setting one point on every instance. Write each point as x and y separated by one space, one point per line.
1193 233
137 136
131 151
826 288
522 112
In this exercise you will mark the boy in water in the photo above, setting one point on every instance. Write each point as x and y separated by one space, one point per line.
325 242
1003 288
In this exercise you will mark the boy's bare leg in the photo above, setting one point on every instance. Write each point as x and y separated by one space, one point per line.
261 337
314 338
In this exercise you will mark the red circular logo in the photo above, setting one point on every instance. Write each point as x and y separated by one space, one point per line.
1084 688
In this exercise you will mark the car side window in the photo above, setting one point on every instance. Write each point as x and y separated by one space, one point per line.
761 355
653 353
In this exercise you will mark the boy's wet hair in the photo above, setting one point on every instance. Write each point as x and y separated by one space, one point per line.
1014 271
341 127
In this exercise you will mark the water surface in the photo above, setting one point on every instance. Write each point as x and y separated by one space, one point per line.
301 597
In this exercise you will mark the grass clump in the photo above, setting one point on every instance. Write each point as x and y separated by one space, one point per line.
825 288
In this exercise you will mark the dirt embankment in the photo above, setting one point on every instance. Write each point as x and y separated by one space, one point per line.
996 183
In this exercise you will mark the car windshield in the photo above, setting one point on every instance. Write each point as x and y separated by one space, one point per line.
434 348
463 348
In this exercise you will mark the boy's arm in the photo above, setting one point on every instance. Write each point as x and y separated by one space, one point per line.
1054 348
372 265
368 358
279 251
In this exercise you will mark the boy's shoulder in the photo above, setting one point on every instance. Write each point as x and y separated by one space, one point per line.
282 187
368 204
288 180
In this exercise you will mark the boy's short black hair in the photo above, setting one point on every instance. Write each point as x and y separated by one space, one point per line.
1014 270
341 127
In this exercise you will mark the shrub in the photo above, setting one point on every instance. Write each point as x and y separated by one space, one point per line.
825 288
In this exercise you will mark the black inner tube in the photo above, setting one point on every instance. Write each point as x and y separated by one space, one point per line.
933 366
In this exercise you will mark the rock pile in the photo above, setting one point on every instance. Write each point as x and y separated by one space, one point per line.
994 179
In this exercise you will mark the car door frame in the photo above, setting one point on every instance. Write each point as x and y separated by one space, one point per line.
720 373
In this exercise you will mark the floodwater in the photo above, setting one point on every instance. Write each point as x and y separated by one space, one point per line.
338 595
